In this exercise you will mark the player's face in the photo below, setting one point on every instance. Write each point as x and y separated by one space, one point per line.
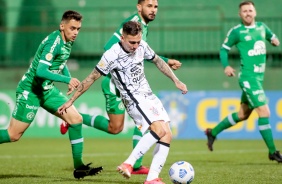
70 29
248 14
130 43
148 10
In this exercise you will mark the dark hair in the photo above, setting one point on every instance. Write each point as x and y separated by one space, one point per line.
131 28
70 14
246 3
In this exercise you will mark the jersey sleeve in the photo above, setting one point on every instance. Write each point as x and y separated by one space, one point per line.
231 39
269 35
106 64
149 54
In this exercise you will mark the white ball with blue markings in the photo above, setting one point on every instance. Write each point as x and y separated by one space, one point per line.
181 172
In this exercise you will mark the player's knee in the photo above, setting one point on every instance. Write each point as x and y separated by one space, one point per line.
15 137
76 119
115 129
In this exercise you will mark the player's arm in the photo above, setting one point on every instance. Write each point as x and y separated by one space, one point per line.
66 71
164 68
83 86
231 39
43 72
270 36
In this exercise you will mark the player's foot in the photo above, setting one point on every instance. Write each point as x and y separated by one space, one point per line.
125 170
210 137
64 127
140 170
155 181
86 170
275 156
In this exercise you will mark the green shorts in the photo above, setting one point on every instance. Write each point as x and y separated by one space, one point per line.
28 102
253 93
114 103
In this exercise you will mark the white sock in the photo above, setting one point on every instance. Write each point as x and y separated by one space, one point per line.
142 147
159 158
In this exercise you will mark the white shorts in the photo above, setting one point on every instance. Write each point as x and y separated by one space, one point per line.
146 109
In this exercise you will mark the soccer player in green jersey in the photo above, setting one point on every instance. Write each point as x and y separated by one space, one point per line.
147 10
249 37
36 89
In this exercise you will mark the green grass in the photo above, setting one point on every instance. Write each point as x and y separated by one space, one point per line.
42 161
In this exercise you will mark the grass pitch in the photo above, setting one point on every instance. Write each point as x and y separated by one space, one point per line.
44 161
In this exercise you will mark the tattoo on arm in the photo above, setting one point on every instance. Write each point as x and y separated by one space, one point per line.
86 83
164 68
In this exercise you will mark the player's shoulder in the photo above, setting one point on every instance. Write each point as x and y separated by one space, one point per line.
133 17
114 50
53 38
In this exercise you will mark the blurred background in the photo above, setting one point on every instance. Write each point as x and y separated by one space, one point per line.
191 31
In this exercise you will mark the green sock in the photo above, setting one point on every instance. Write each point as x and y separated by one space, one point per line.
227 122
4 136
136 137
76 139
100 122
266 133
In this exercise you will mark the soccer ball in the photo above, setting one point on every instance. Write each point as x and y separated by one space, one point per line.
181 172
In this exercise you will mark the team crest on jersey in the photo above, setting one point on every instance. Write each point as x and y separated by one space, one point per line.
120 106
30 115
49 57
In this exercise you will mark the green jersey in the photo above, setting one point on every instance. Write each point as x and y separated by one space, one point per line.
116 36
53 52
250 42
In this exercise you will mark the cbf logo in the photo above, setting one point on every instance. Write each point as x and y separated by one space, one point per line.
176 107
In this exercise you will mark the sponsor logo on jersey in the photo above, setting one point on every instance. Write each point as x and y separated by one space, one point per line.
258 92
259 68
49 56
259 49
54 44
32 107
248 38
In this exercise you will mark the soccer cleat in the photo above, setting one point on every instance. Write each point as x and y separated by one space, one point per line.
125 170
64 127
140 170
86 170
210 137
155 181
275 156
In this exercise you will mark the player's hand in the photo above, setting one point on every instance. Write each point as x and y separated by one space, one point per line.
174 64
181 86
74 82
229 71
70 89
275 42
64 107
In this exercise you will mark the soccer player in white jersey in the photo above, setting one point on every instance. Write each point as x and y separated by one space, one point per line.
125 62
249 37
113 123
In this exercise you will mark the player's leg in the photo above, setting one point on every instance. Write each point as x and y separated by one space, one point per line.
51 102
229 121
266 132
23 114
160 154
